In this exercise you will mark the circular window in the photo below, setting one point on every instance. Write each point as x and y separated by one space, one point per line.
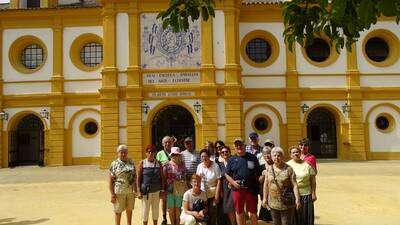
384 122
377 49
261 123
92 54
319 50
86 52
381 48
32 56
27 54
259 48
89 128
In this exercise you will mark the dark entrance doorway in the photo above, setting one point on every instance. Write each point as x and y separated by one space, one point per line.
173 120
27 143
321 130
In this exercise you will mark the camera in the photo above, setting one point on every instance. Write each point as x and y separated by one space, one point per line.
242 184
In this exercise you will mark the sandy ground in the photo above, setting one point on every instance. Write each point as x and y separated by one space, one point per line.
353 193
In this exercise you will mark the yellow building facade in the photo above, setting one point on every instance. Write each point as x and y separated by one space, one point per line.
78 78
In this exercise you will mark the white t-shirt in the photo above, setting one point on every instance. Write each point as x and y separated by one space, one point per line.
209 175
190 198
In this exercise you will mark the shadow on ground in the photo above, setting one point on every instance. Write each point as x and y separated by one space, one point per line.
10 221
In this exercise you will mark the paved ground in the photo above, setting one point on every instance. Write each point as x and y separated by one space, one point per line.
349 193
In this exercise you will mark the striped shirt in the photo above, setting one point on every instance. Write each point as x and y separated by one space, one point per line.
191 160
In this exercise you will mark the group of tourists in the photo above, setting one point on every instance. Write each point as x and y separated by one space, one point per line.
212 186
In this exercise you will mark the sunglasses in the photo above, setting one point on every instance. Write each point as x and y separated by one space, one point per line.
224 152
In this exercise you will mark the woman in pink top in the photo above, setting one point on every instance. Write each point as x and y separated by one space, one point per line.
304 145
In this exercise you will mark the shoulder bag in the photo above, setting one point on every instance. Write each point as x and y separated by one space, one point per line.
287 194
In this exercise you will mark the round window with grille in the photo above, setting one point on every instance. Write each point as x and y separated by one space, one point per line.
384 122
258 50
319 50
92 54
261 123
89 128
377 49
32 56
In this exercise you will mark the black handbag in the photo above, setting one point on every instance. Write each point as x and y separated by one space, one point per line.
287 194
198 205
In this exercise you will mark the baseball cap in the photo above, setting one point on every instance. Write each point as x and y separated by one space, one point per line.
253 135
269 141
238 140
188 139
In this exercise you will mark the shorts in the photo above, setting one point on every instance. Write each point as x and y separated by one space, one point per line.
174 201
241 197
124 202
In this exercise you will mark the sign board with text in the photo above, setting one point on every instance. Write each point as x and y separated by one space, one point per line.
171 94
171 78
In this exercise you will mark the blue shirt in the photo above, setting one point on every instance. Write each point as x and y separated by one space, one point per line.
245 168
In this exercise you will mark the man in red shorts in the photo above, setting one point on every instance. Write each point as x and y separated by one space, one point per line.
242 173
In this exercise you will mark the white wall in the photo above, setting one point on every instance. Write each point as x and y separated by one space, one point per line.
82 86
219 77
304 67
276 29
363 64
380 81
219 39
264 82
26 88
122 79
279 106
384 142
221 119
322 81
82 146
122 41
71 110
45 73
273 133
70 34
367 105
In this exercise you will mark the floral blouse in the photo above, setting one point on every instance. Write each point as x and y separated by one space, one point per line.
174 172
124 176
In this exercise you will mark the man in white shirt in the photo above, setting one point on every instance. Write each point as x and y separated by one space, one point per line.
190 157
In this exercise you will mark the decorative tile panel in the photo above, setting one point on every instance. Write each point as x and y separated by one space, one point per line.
162 48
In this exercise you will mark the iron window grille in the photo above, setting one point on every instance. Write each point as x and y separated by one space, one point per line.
32 56
92 54
258 50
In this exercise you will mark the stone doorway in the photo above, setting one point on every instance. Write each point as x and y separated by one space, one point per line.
26 142
173 120
321 131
